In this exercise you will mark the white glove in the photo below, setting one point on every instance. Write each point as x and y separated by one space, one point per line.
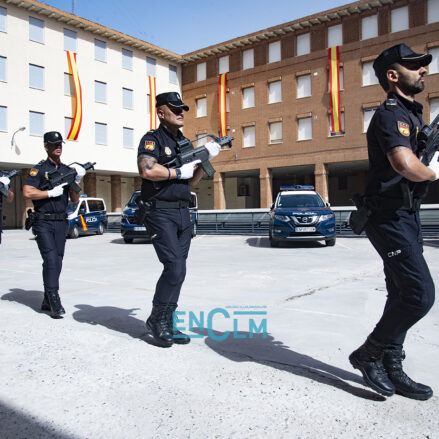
213 149
56 191
5 180
434 165
80 171
187 170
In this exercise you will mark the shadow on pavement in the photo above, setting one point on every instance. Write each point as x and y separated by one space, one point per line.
271 352
30 298
264 242
135 241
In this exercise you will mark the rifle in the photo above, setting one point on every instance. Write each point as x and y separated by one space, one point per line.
428 141
3 190
186 153
54 178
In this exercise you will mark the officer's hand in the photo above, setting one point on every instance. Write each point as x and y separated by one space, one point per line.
56 191
80 171
5 180
213 149
434 165
187 170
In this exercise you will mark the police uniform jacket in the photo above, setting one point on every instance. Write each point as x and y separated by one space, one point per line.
37 177
162 145
396 122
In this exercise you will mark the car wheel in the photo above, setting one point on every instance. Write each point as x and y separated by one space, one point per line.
128 240
101 229
74 232
330 242
194 230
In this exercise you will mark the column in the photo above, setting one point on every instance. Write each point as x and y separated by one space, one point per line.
219 197
116 193
89 184
137 183
266 187
321 176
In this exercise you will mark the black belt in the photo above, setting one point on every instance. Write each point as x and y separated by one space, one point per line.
159 204
51 216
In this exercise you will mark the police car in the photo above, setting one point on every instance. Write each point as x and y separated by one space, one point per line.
87 216
130 230
300 213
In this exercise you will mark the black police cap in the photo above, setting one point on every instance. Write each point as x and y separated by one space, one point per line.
171 99
394 54
53 137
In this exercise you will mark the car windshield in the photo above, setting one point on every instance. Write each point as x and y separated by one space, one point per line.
71 207
132 200
300 200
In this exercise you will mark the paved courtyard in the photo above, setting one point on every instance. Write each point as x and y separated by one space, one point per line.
97 374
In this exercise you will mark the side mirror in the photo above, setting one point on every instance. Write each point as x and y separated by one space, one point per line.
328 204
272 206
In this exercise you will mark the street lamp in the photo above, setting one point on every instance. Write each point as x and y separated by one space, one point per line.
13 135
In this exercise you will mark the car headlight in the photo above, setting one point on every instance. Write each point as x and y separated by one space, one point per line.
283 218
326 217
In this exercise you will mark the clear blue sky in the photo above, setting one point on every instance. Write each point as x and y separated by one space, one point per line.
186 25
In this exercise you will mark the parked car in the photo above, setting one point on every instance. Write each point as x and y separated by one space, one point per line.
87 216
300 214
130 230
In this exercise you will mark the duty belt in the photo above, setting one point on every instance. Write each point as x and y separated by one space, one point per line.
159 204
383 203
51 216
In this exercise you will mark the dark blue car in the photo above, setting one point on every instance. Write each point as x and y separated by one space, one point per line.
300 214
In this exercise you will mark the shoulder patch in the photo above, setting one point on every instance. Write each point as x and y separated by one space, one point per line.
149 145
403 128
33 172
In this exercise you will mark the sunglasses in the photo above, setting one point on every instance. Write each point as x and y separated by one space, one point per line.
176 111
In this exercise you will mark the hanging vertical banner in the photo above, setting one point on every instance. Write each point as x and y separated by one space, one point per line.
334 90
77 118
83 223
152 109
222 104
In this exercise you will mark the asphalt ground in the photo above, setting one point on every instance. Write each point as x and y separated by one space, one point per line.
271 359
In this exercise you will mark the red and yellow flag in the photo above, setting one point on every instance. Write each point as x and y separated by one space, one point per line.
334 90
222 104
83 223
77 119
152 109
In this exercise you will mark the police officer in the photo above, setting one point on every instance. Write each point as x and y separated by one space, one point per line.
6 182
167 191
395 186
51 222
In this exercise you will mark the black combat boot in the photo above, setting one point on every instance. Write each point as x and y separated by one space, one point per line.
368 360
56 309
158 324
179 337
45 305
404 385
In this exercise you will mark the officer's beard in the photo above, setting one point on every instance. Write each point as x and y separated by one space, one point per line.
410 88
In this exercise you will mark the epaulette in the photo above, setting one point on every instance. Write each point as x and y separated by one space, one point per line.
391 102
152 131
40 163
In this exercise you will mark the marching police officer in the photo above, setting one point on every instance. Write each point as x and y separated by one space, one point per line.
50 226
396 184
167 192
6 182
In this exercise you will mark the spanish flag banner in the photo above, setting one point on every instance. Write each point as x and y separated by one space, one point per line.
222 104
334 90
83 223
77 119
152 109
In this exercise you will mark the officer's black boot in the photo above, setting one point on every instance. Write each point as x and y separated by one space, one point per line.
158 324
404 385
45 305
179 337
56 309
368 360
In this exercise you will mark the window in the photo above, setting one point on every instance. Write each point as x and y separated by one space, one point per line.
173 79
36 123
36 30
223 65
304 131
2 69
69 86
248 97
201 107
101 92
69 40
127 59
100 50
67 126
3 118
36 77
434 108
127 98
249 137
433 67
201 140
369 77
367 117
432 11
151 64
303 86
369 27
274 92
100 133
275 132
201 71
342 125
335 36
303 44
274 52
128 137
399 19
248 59
3 12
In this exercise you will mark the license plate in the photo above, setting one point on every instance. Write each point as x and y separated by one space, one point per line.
139 228
305 229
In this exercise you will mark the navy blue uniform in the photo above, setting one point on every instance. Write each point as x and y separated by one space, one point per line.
394 229
51 226
170 227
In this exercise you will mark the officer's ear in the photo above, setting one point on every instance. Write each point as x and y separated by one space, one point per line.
392 75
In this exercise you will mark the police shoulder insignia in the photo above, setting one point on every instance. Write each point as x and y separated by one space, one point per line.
390 102
149 145
168 151
403 128
33 172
